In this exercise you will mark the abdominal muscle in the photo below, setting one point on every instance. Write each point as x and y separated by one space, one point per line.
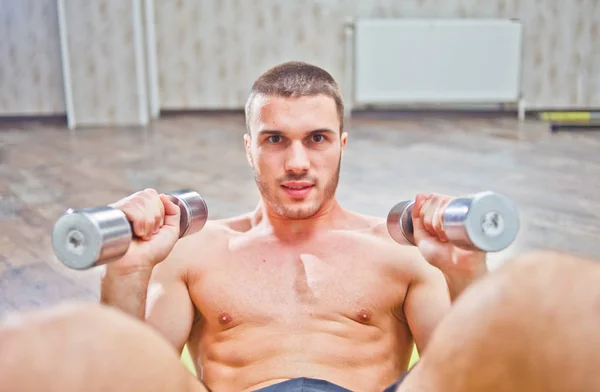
337 349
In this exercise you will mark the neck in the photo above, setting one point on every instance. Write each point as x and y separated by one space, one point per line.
286 229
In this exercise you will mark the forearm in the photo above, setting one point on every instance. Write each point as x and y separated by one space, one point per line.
126 291
458 281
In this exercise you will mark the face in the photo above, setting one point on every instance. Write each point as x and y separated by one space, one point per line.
295 149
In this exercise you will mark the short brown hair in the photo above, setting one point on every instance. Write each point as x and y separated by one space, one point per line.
296 79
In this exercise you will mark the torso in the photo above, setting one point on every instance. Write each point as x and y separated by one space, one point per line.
329 307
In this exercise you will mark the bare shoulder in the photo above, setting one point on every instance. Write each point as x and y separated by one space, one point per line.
405 255
213 234
373 226
199 249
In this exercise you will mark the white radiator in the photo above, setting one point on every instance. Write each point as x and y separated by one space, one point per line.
413 61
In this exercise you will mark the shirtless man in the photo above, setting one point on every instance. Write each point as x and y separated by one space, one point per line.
302 295
300 289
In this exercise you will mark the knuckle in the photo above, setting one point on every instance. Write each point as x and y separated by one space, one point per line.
132 210
151 193
149 221
160 205
136 202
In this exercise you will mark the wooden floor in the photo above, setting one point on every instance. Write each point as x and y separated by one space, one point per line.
554 178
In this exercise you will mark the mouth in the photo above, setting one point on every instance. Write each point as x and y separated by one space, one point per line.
297 190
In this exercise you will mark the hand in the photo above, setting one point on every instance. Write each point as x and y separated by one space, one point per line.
427 216
155 222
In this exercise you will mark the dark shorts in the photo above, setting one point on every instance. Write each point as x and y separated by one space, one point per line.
314 385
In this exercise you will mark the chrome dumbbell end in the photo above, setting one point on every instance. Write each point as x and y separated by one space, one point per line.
88 237
399 222
193 209
484 221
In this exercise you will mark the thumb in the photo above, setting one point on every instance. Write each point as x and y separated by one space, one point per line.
172 213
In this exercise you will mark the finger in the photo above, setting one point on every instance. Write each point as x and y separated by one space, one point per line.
438 224
433 216
172 213
148 225
419 199
134 212
419 231
160 215
427 211
151 211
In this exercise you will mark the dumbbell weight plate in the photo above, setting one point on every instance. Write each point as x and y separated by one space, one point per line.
399 222
194 212
81 237
486 221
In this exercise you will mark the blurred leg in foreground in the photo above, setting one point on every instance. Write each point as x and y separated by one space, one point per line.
89 348
533 326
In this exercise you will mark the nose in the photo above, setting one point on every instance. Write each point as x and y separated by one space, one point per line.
297 160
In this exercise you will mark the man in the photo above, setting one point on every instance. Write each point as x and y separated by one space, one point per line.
299 290
302 295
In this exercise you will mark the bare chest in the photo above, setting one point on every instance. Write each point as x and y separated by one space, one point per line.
265 282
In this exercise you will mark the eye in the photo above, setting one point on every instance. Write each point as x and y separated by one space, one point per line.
318 138
274 139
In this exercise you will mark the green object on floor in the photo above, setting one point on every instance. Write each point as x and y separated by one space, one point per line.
186 359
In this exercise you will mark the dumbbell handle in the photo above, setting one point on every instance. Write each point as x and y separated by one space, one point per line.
88 237
485 221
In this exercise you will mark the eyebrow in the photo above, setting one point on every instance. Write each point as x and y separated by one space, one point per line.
272 132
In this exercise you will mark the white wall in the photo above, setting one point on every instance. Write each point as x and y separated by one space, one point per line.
210 51
30 67
101 39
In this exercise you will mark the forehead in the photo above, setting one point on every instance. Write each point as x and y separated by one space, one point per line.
288 114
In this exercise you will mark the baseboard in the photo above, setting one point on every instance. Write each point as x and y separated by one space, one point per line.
432 112
203 112
26 121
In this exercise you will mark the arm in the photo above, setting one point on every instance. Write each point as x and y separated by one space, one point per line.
158 296
149 281
125 290
427 298
461 267
427 301
460 278
169 308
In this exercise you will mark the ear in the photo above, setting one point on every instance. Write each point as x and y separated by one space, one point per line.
343 140
247 145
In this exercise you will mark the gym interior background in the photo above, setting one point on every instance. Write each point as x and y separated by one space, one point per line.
99 99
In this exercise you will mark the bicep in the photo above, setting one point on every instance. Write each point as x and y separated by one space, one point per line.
169 308
427 302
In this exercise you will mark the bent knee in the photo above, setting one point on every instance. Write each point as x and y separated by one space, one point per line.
548 259
83 346
541 272
66 313
74 329
532 322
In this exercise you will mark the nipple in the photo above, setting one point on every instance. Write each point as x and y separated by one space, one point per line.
224 318
363 316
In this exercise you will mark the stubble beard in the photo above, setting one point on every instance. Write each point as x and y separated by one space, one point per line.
296 212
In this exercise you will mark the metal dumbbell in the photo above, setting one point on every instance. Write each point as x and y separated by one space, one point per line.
485 221
88 237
